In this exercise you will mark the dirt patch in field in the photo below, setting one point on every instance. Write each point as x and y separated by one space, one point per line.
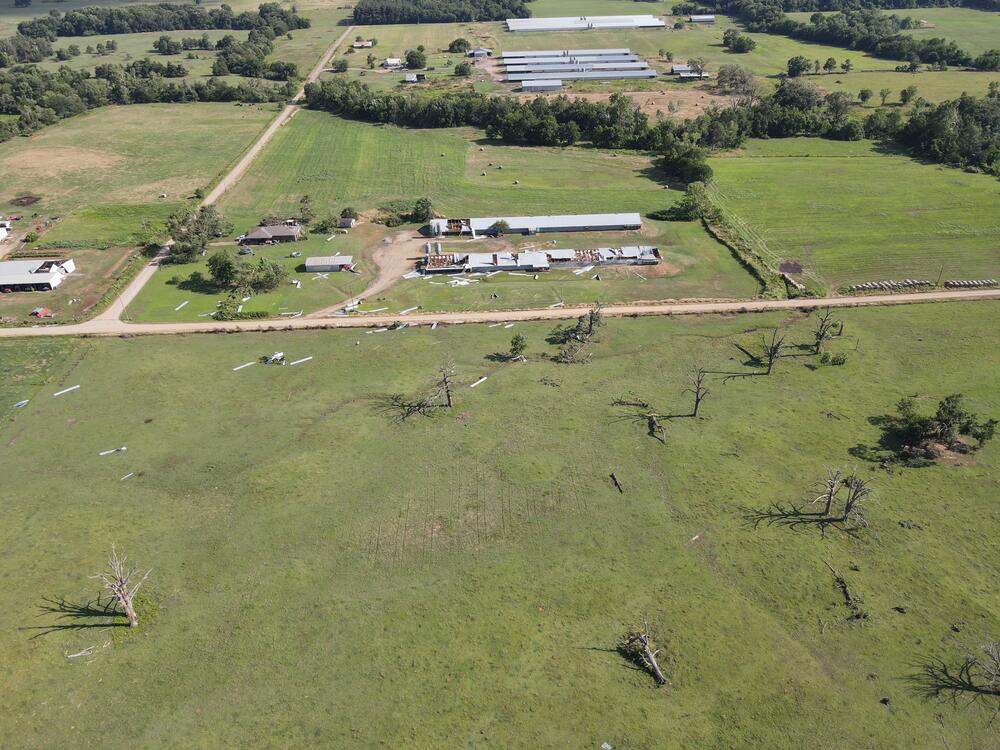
687 102
54 161
659 271
790 266
25 200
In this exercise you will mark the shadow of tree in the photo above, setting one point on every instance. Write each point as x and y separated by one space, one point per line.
78 616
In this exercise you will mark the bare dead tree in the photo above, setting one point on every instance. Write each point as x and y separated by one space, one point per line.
831 488
439 396
850 519
697 389
637 647
772 349
858 492
823 331
119 579
975 678
593 319
444 385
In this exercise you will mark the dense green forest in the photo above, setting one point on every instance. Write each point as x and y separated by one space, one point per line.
372 12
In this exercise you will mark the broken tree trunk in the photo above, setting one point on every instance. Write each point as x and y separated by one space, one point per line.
614 478
638 648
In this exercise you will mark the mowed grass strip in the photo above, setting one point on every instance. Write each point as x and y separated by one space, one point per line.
474 570
851 213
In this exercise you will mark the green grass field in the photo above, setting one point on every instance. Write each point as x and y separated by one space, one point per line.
849 213
138 46
318 581
934 86
345 163
975 30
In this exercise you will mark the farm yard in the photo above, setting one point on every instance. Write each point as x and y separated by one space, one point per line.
852 212
97 178
285 540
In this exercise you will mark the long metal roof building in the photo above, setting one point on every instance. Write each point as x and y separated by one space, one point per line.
534 224
585 75
575 66
583 23
565 52
574 58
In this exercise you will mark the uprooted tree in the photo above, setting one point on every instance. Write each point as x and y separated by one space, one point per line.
914 439
637 646
440 395
975 677
573 339
842 499
123 583
646 413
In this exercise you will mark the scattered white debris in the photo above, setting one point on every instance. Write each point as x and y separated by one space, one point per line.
369 312
412 275
581 271
330 237
377 330
518 273
245 299
401 326
319 276
22 404
89 651
297 283
494 325
292 314
127 476
509 325
492 273
66 390
182 304
434 326
694 538
297 315
409 310
300 361
242 366
557 304
239 309
113 450
206 315
478 381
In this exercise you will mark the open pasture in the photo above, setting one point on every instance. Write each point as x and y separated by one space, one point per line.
312 560
850 212
974 30
934 86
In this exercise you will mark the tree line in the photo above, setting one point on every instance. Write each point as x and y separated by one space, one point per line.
134 19
377 12
41 97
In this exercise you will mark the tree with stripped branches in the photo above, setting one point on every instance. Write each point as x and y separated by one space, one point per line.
120 580
697 389
824 330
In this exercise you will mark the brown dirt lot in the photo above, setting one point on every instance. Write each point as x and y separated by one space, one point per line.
688 102
55 161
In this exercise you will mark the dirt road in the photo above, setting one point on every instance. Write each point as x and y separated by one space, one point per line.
99 327
117 308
